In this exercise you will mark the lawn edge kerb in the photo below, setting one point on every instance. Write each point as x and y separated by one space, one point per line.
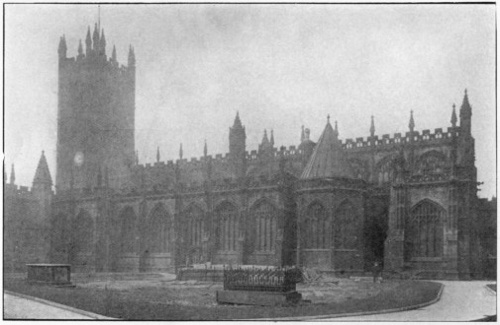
58 305
362 313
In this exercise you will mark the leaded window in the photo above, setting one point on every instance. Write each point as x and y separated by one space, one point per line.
195 226
227 227
265 227
424 231
160 230
315 227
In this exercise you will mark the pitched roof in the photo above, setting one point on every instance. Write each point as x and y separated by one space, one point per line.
42 174
327 159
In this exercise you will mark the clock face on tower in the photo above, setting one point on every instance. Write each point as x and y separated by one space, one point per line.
79 158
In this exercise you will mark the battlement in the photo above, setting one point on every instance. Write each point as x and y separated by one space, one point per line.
20 191
398 138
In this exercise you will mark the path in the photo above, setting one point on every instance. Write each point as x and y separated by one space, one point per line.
460 301
17 307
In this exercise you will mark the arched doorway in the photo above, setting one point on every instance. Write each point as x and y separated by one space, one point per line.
82 245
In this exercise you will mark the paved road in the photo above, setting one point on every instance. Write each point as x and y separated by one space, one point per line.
460 301
21 308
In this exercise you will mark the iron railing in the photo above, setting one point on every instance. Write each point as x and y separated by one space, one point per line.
269 279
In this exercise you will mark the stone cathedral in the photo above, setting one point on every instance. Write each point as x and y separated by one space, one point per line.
408 201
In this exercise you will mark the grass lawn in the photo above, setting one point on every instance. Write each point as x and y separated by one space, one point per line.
155 298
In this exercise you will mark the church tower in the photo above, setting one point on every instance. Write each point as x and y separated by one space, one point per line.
96 107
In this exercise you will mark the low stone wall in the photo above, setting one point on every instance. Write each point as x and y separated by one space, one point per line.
212 275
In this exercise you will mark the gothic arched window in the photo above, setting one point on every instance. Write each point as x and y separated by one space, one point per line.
83 232
315 227
127 230
344 229
195 226
160 230
264 216
424 231
227 227
431 163
384 170
359 168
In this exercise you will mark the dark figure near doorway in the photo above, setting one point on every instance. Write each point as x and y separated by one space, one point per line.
376 272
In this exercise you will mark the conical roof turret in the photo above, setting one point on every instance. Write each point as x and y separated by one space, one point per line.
42 174
328 159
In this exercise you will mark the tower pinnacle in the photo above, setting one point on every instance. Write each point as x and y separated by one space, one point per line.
12 175
88 42
131 57
372 127
62 47
113 54
453 117
412 122
80 49
102 45
95 39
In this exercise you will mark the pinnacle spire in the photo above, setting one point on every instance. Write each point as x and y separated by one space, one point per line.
412 122
205 151
453 117
102 45
88 42
372 127
180 152
336 131
42 174
113 54
62 47
237 121
80 49
95 38
12 175
465 115
158 154
265 140
302 135
131 57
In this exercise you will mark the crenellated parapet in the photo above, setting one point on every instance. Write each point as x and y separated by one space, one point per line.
20 192
426 137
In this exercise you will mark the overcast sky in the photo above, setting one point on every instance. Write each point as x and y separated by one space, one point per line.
280 66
